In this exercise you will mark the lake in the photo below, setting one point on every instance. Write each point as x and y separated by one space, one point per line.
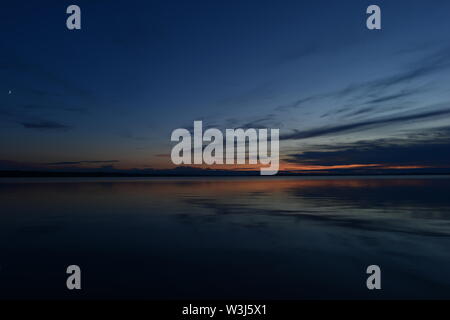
225 238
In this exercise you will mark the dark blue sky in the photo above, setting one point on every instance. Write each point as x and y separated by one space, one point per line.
137 70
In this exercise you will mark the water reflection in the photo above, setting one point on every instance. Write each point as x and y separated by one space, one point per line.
226 237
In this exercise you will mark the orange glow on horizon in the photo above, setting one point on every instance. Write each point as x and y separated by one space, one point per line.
285 166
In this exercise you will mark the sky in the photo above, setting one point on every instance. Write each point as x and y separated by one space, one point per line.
109 95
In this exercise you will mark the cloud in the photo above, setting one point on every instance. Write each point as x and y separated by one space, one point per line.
436 62
378 90
392 97
359 111
298 103
267 121
128 134
49 107
44 125
323 131
64 163
162 155
432 150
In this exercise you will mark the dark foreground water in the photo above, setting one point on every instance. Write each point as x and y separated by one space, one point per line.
239 238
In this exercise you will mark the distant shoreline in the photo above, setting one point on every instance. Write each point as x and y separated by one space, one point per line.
48 174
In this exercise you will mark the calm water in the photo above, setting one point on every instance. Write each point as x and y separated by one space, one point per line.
251 238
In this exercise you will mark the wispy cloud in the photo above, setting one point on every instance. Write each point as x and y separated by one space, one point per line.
324 131
44 125
40 107
431 149
394 96
385 89
266 121
65 163
298 103
128 134
433 63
